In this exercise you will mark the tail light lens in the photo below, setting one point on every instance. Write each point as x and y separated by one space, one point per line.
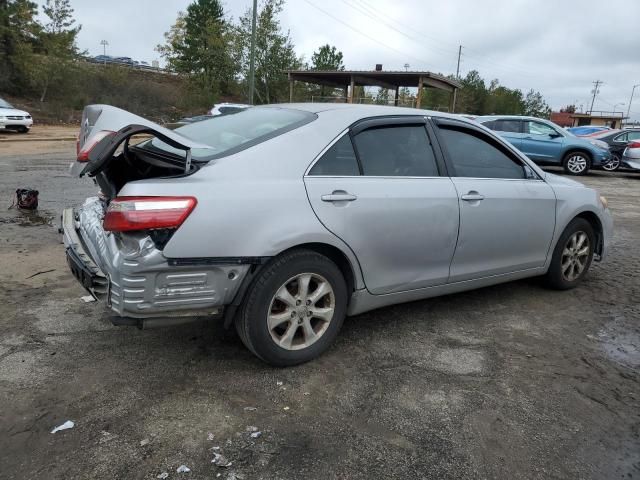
126 214
633 145
83 153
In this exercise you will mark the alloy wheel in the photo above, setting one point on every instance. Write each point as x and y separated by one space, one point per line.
577 163
575 256
613 164
300 311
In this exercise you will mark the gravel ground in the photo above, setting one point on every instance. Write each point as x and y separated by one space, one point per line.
513 381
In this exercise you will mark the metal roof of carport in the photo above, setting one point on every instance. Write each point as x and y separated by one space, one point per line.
379 78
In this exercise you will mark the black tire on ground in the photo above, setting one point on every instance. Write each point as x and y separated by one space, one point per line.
555 277
23 130
576 163
251 322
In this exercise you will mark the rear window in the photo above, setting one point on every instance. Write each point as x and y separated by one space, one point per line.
228 134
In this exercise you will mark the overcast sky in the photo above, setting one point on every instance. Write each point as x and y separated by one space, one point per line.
556 47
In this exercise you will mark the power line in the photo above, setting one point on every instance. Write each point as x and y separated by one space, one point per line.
373 39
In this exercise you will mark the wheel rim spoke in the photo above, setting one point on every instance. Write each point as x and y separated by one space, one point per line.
297 320
575 256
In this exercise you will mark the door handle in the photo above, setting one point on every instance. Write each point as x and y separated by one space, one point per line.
472 197
338 197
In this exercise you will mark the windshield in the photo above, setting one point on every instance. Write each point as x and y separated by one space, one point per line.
5 104
229 134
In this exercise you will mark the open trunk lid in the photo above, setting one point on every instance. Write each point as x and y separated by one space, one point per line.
119 126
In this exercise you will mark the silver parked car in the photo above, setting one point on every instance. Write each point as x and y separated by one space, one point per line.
284 219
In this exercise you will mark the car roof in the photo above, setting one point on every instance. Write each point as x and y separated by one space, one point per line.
510 117
365 111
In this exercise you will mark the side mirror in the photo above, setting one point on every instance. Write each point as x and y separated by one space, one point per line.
554 135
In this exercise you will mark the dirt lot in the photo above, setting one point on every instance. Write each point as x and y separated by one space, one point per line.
513 381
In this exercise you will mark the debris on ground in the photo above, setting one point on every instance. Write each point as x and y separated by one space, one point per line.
65 426
279 383
256 434
220 460
144 442
26 199
251 428
286 408
88 299
163 475
306 394
250 409
183 469
210 436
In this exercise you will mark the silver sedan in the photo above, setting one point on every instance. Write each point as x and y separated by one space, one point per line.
284 219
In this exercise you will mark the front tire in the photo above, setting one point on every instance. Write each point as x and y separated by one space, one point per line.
576 163
294 309
572 256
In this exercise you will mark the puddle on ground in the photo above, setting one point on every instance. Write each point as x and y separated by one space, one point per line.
29 218
620 340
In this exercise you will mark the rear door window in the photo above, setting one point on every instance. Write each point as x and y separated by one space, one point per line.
513 126
338 161
396 151
473 154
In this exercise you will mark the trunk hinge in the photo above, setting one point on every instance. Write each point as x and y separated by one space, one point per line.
187 166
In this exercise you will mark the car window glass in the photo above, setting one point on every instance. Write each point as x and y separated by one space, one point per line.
633 136
338 160
621 138
507 126
537 128
402 151
474 155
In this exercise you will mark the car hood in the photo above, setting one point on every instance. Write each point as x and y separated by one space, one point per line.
4 112
558 180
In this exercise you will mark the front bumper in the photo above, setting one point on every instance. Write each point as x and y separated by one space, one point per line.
12 124
134 278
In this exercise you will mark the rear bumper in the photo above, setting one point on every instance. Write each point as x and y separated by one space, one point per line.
134 278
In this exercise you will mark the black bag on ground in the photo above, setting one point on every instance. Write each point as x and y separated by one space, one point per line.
27 199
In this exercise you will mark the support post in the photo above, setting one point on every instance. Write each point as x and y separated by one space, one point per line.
345 90
419 97
395 101
352 85
291 80
452 103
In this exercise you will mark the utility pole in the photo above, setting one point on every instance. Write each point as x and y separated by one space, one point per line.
252 60
631 100
104 44
455 90
595 92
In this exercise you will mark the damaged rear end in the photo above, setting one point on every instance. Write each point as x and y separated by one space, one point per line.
115 243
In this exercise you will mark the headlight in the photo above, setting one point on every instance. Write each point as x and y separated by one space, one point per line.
603 201
599 144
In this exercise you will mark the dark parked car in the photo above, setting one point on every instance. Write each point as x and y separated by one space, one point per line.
617 140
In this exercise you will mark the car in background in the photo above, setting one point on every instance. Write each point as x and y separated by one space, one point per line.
194 119
227 108
546 143
587 130
631 156
13 119
617 141
283 219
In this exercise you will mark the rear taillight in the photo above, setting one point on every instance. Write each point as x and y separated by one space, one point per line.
126 214
633 145
83 153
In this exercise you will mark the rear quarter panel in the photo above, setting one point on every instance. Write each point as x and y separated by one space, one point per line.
253 203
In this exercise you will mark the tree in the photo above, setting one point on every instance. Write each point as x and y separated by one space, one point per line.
327 58
535 106
200 45
568 109
274 52
18 33
56 46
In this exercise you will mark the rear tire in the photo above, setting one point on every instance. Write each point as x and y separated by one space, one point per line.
576 163
572 255
613 164
294 309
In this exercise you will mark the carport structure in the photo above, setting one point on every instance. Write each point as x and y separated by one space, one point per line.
348 80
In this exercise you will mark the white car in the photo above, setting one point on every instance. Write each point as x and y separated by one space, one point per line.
13 119
227 108
631 156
